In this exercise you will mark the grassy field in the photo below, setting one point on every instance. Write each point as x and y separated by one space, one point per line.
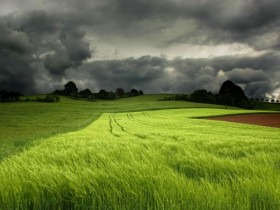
165 159
165 156
25 122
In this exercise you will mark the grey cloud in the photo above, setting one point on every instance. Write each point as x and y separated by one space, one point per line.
52 46
238 15
128 73
33 22
73 49
157 74
204 22
201 22
33 38
210 73
14 40
259 89
16 72
247 75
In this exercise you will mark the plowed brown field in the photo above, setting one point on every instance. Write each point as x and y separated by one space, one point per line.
272 120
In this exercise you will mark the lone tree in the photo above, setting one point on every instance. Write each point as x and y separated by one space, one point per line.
70 89
233 95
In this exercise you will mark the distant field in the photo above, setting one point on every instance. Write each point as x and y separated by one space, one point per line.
166 159
23 123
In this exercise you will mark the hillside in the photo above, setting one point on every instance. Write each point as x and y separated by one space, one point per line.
22 123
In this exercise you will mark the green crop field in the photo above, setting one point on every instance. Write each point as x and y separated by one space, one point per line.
25 122
135 156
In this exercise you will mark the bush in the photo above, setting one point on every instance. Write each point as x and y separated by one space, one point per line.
49 99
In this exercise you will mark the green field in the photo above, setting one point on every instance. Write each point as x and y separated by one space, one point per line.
136 156
25 122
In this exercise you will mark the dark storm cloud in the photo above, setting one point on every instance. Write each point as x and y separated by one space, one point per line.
257 75
33 22
144 72
14 40
51 46
55 35
157 74
238 15
16 72
247 75
252 22
71 52
255 23
31 39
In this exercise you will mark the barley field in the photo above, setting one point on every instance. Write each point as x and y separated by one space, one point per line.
163 159
23 123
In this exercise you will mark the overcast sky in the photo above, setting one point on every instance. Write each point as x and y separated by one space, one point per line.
173 46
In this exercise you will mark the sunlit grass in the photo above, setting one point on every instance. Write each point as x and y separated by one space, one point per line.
23 123
164 159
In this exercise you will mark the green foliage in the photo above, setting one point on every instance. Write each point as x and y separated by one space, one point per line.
87 94
51 98
229 95
70 89
164 159
203 96
9 96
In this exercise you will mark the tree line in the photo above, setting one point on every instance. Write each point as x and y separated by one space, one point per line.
70 89
6 96
229 94
9 96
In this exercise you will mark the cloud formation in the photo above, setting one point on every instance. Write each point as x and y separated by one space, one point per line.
16 72
158 74
37 42
49 42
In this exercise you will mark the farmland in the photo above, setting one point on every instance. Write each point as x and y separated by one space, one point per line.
22 124
137 156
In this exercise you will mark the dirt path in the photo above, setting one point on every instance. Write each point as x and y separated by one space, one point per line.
271 120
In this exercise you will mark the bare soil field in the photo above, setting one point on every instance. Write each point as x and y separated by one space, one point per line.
271 120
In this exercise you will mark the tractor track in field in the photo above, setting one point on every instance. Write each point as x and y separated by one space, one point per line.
113 119
115 122
112 127
130 117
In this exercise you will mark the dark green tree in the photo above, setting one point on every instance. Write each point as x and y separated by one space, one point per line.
233 95
134 92
120 92
70 89
85 93
102 94
202 96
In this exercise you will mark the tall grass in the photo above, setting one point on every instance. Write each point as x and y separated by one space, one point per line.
148 160
23 123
